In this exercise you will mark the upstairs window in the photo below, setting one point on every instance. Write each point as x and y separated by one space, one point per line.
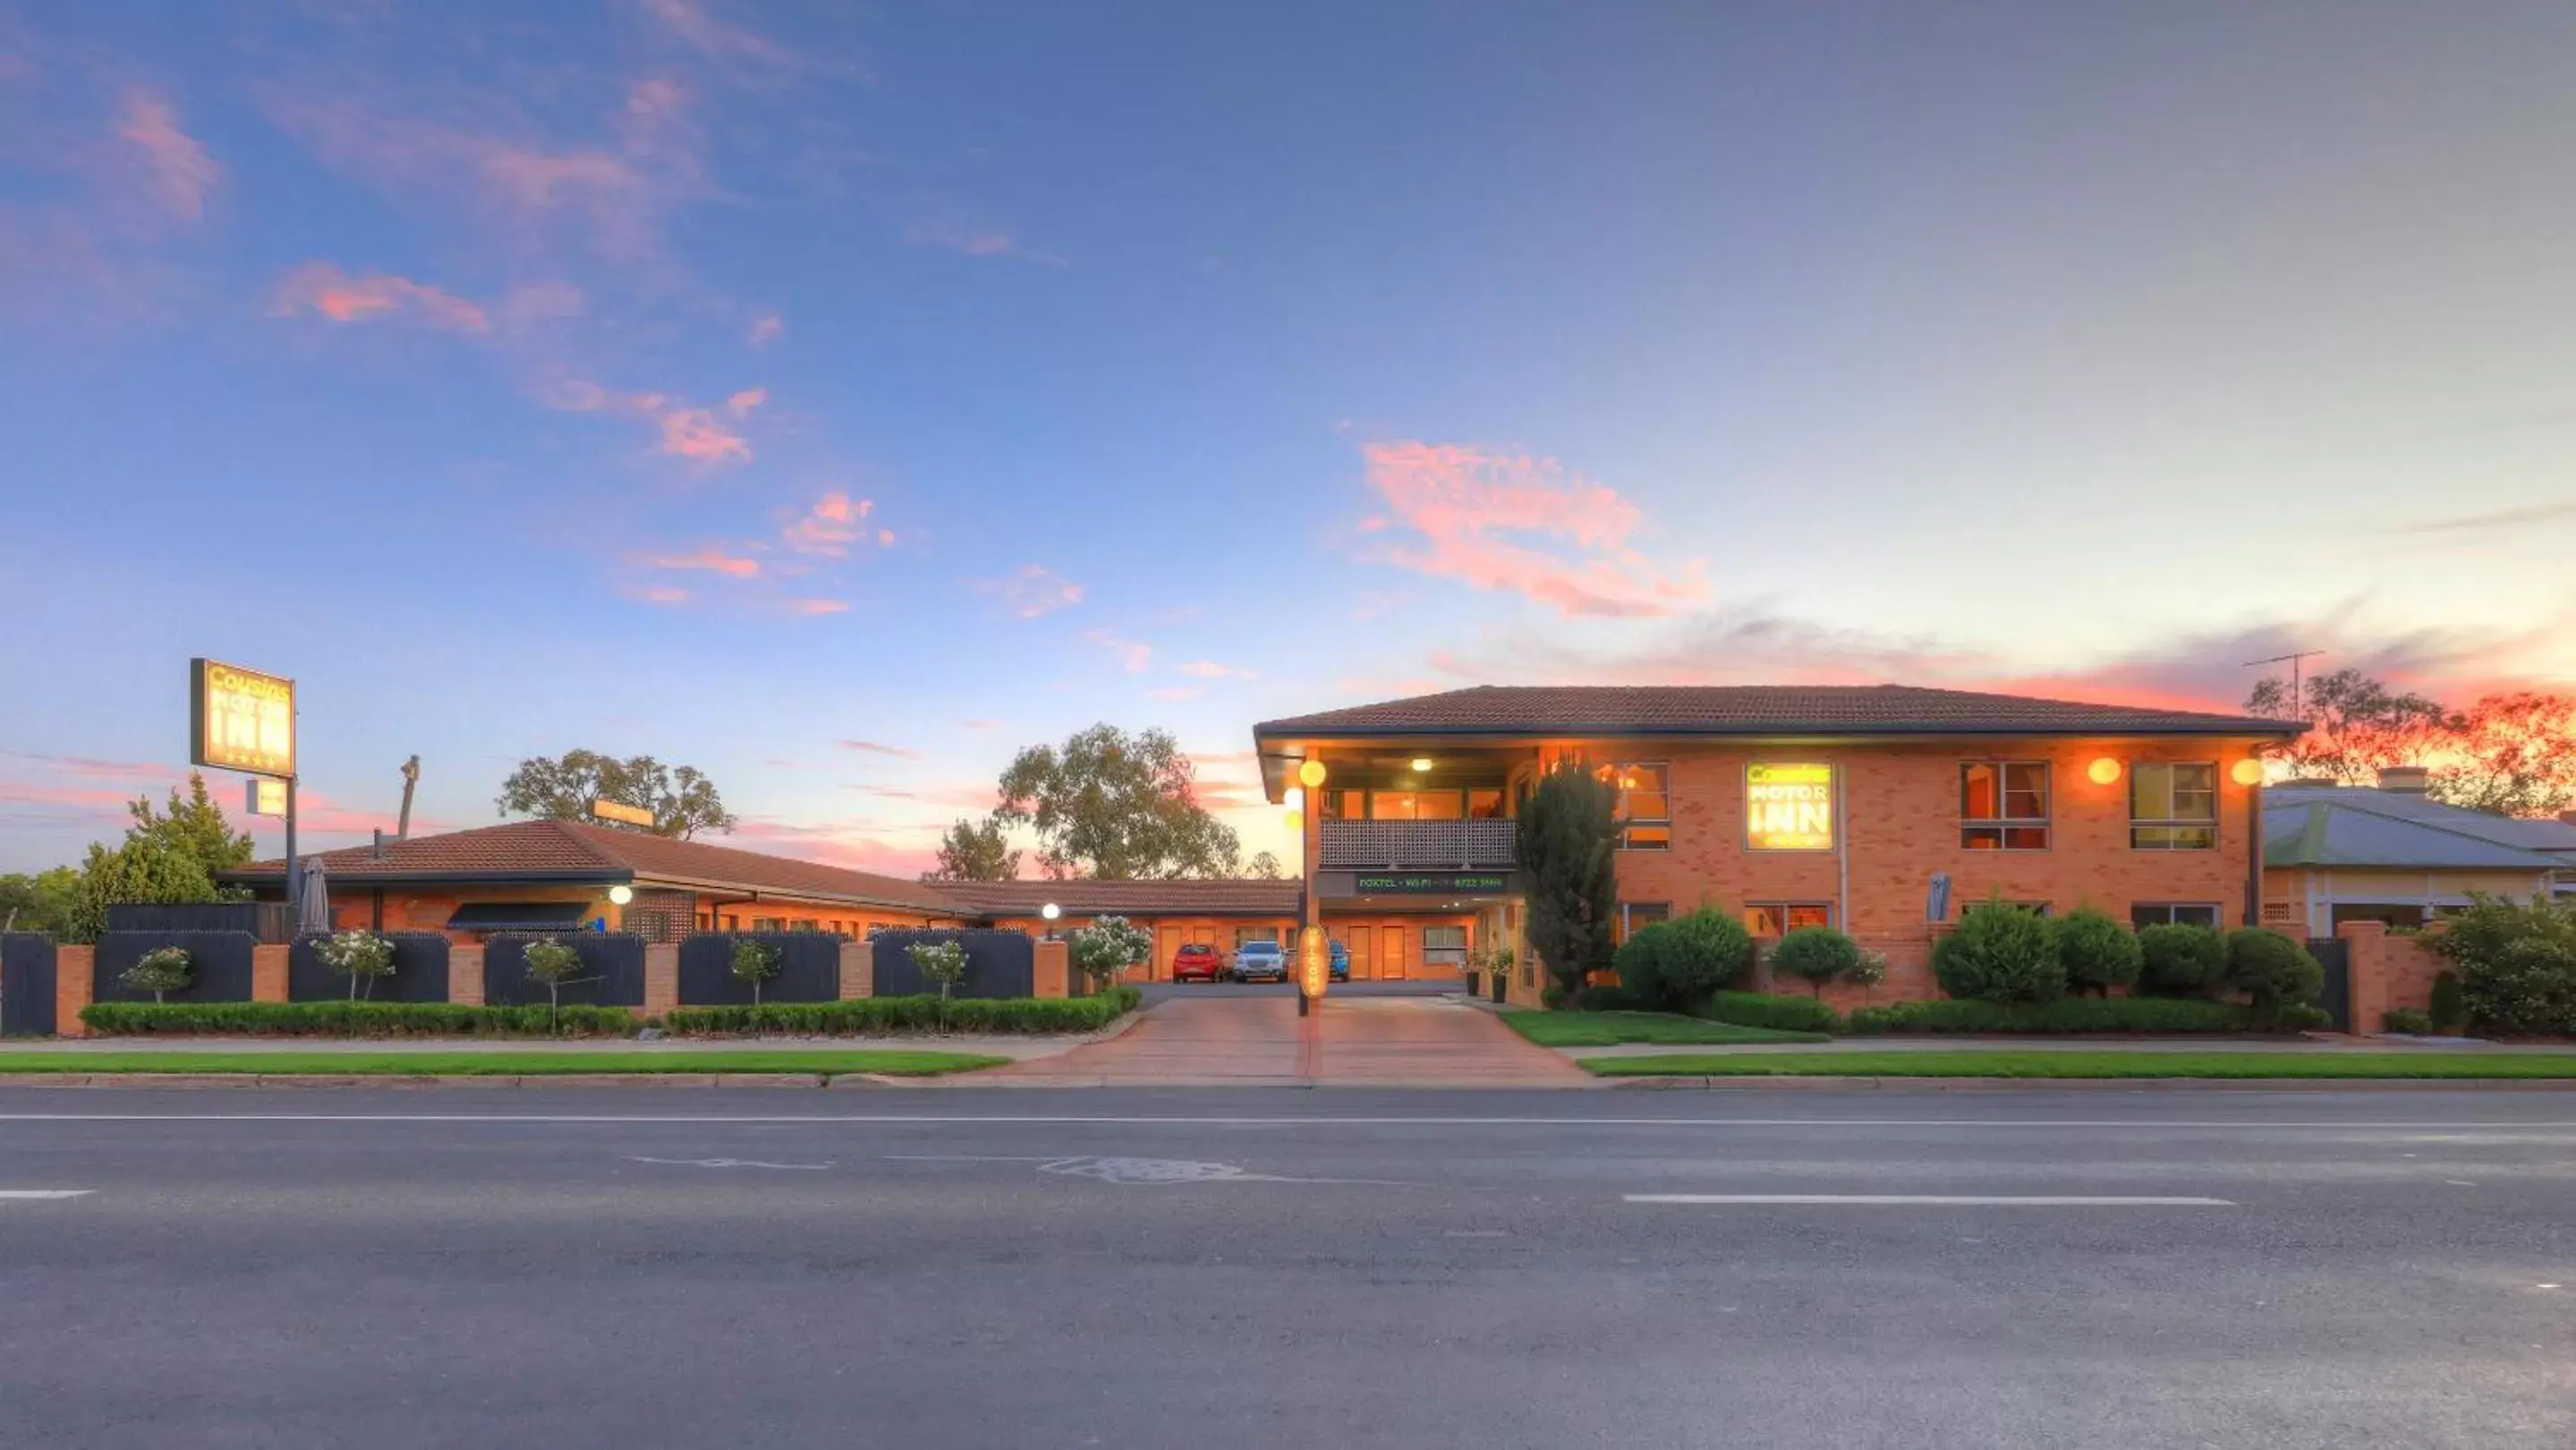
2173 807
1645 806
2003 805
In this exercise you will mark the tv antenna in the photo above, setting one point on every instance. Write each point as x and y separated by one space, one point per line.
2292 659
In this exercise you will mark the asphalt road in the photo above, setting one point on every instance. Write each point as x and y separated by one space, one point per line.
1249 1269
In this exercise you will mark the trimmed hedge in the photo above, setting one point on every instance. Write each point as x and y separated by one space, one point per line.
2408 1021
1612 999
351 1019
876 1016
1754 1009
2178 960
2000 953
2066 1015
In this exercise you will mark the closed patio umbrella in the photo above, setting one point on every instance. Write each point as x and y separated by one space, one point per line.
313 909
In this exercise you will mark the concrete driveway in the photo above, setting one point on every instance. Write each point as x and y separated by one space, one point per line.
1246 1040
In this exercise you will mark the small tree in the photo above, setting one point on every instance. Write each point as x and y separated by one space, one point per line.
1568 845
754 962
1708 951
163 969
360 956
553 963
2180 960
943 963
1868 972
2000 953
1640 963
1816 954
2272 970
1108 947
2099 952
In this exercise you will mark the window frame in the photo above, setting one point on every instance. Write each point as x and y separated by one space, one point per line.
1627 925
2004 825
2217 914
1783 909
2141 826
1629 825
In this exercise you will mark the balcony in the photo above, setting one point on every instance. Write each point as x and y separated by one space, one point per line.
1464 845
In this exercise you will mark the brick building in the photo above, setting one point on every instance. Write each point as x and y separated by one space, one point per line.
1792 806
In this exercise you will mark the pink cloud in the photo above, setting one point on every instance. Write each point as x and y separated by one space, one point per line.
1211 670
170 164
662 594
1468 507
689 22
975 241
830 527
1133 657
1032 593
817 606
885 538
766 330
732 566
741 404
878 747
323 288
696 434
833 845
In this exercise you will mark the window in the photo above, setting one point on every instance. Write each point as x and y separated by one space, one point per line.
1246 935
1634 914
1485 804
732 922
1645 807
2145 914
1778 918
2173 807
768 923
1415 805
2003 805
1444 946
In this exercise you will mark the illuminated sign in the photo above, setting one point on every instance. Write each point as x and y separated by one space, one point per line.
1314 961
1429 882
240 719
1789 807
605 810
267 797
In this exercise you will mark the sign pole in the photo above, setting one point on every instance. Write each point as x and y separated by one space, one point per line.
294 886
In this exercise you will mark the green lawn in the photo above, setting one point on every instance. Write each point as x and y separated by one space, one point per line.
1606 1029
2004 1063
500 1064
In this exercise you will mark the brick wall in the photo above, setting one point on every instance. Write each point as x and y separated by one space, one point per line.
2389 973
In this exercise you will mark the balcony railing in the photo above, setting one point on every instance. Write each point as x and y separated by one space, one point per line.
1464 844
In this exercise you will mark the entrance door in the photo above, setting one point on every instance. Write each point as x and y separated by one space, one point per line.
1167 945
1357 938
1390 963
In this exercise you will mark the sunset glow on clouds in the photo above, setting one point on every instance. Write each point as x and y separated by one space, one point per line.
324 288
174 167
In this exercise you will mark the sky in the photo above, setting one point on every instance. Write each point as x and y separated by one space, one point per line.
839 398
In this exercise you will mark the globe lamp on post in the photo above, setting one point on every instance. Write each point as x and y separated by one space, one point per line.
1051 912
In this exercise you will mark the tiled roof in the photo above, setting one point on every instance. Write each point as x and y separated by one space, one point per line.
1140 898
575 850
2357 826
1581 710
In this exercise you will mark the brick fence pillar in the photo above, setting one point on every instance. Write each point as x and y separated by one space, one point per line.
75 979
661 978
2366 949
268 972
465 974
858 970
1054 969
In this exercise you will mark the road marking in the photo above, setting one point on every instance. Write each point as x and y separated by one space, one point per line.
1281 1121
1935 1200
721 1163
46 1192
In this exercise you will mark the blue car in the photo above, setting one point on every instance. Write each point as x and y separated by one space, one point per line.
1340 971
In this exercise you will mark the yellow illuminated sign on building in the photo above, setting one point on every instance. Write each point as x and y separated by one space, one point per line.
267 797
241 719
1789 807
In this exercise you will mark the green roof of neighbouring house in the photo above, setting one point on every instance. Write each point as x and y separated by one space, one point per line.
2355 827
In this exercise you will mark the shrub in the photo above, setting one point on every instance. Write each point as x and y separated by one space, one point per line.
2272 970
1640 963
1756 1009
2447 1011
1817 955
360 956
1707 951
1108 947
2066 1015
2000 954
1613 999
553 963
163 969
2406 1020
878 1016
2177 960
754 962
2517 965
2099 953
353 1019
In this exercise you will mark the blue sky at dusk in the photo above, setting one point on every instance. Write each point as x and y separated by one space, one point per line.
840 397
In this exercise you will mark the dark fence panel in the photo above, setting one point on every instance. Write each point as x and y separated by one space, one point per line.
998 963
2335 955
218 964
809 968
26 984
420 972
612 970
267 921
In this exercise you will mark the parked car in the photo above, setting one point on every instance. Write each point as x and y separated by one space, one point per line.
1197 962
1260 961
1340 970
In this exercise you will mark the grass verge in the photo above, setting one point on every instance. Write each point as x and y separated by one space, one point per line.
1606 1029
497 1064
2095 1065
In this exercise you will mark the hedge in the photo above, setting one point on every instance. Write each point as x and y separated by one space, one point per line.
1754 1009
2406 1020
2066 1015
351 1019
870 1016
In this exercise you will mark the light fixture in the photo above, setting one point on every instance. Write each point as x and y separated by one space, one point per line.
1422 762
2248 771
1311 774
620 895
1295 799
2103 770
1050 911
1294 820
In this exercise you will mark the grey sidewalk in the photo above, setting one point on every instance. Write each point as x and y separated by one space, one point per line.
2316 1045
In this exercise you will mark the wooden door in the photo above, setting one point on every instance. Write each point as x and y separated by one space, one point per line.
1390 962
1167 945
1357 940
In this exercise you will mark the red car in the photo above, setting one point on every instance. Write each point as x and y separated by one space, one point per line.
1197 962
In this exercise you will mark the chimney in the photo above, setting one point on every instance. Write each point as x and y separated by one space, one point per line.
2405 779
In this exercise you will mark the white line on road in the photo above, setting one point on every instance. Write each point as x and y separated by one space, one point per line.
1934 1200
46 1192
1282 1121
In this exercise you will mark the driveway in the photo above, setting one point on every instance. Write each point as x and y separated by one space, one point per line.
1246 1040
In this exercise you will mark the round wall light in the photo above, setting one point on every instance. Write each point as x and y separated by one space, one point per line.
2103 770
620 895
2248 771
1311 774
1294 820
1294 799
1050 911
1421 762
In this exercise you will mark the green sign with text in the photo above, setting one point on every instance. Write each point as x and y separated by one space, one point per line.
1429 882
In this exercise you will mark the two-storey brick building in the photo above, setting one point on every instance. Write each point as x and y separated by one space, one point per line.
1880 810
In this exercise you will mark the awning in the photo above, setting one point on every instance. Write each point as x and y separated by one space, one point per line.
519 916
